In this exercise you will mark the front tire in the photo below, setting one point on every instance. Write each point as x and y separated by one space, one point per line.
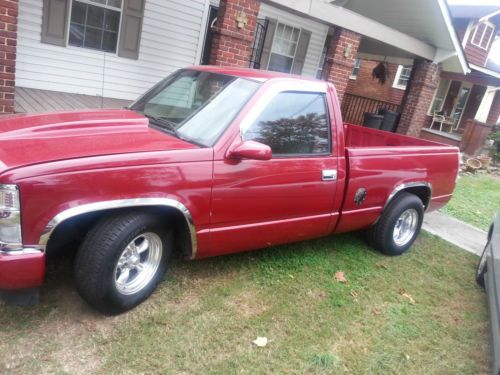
482 267
399 225
122 260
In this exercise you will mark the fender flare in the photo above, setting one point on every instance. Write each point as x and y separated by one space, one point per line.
406 186
119 203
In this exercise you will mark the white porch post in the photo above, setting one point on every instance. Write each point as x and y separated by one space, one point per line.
486 102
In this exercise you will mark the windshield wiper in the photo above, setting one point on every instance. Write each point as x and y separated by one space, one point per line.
165 123
169 126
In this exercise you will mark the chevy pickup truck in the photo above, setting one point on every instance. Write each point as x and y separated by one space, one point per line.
210 161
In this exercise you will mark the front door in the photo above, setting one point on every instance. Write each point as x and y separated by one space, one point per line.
259 203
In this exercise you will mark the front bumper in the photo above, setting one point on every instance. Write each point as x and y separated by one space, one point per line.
21 269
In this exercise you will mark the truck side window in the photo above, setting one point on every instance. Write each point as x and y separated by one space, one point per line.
293 123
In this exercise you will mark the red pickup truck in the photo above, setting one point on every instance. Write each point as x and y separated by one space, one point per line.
210 161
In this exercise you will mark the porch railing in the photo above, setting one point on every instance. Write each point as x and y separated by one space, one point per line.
354 106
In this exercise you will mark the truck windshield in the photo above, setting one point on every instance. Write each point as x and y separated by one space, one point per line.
195 106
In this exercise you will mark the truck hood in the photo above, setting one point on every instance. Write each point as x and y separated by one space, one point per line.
39 138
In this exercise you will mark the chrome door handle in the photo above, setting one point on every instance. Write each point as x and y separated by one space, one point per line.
329 174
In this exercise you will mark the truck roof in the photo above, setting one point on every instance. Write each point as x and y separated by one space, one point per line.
261 75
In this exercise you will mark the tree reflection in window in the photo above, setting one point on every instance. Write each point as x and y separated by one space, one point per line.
293 123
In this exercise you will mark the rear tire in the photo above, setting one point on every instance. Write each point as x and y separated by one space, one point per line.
398 226
121 261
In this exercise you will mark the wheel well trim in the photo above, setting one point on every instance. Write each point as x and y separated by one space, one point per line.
115 204
408 185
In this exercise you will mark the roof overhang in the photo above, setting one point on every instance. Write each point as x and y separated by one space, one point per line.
397 30
484 70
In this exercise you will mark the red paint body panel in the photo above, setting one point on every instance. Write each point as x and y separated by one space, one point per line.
36 139
67 159
264 201
21 271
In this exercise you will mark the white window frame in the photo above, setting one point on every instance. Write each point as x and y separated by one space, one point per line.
357 65
282 54
429 113
487 25
396 84
90 2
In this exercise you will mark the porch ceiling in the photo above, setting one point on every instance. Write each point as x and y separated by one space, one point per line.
393 28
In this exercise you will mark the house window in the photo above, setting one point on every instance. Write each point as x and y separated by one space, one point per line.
284 46
482 35
402 77
355 69
95 24
439 96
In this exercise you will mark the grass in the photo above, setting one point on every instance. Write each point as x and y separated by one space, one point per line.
475 200
203 319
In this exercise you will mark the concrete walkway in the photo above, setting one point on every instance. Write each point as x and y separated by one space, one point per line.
455 231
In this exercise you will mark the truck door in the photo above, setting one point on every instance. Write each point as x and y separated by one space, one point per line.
259 203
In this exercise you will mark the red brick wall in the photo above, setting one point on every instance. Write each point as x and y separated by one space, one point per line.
494 110
338 66
421 86
365 85
8 43
231 45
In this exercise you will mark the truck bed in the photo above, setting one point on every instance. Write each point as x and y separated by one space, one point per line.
380 162
357 136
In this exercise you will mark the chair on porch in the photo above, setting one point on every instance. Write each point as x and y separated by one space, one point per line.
440 118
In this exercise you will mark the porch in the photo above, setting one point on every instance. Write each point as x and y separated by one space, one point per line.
35 100
464 110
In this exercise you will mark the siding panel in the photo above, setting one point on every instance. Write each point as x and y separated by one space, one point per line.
170 39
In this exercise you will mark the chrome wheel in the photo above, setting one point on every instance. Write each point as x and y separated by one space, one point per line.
138 263
405 227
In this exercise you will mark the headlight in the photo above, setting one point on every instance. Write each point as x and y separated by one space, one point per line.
10 218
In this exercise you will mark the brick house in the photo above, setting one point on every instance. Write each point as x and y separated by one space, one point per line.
88 53
464 106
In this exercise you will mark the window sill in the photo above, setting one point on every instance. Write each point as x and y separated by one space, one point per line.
399 87
478 46
89 50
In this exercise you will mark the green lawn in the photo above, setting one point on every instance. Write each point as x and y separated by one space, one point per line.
203 319
475 200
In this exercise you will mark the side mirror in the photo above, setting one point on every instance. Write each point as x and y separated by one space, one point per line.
250 150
